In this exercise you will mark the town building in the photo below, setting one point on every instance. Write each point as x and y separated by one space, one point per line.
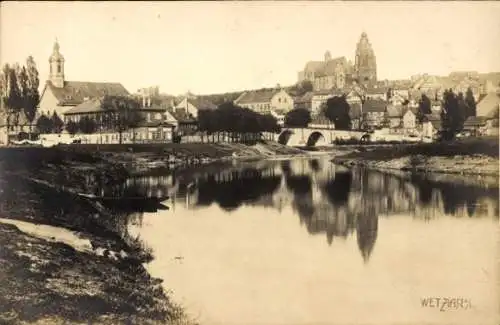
191 105
319 98
265 101
355 114
475 125
459 82
431 126
339 72
376 92
152 126
60 95
304 101
374 113
402 119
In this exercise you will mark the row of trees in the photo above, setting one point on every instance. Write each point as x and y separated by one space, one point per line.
235 122
467 104
54 124
20 92
85 125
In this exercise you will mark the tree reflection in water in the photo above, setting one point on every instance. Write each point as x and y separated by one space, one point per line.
239 188
333 200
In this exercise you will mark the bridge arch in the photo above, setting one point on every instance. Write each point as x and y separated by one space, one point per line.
315 138
284 137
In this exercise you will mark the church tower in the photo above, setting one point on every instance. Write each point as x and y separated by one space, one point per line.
56 62
328 56
365 64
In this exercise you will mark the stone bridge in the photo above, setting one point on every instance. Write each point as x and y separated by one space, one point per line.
314 136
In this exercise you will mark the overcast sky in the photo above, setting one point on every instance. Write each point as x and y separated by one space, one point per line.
208 47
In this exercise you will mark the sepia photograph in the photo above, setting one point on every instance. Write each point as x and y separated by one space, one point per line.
249 163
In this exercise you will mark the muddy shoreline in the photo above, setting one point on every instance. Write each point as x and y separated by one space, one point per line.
50 279
478 157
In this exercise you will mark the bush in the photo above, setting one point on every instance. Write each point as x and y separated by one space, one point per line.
23 136
350 141
176 139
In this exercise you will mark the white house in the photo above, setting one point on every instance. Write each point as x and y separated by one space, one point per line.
263 101
318 99
431 125
409 121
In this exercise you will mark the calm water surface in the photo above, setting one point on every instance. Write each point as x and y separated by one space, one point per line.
308 242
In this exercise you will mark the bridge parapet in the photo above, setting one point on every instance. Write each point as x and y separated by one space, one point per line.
315 136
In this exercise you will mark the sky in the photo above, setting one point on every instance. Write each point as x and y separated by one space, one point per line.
214 47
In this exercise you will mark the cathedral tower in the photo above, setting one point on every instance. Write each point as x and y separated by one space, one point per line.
56 62
365 64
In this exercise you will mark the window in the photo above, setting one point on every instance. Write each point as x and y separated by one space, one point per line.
59 68
279 100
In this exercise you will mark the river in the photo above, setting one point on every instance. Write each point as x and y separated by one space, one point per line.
308 242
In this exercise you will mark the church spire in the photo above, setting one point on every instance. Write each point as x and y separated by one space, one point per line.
56 62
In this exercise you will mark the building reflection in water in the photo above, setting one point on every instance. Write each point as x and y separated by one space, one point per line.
327 199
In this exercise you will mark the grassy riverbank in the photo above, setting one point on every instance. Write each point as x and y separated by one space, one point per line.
478 156
134 159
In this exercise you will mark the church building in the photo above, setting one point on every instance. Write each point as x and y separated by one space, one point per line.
339 72
60 95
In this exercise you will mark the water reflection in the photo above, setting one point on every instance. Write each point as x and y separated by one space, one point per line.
328 199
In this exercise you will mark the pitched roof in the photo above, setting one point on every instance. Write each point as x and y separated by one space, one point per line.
434 82
488 104
94 105
400 110
328 67
257 96
474 121
374 105
201 103
75 92
89 106
314 66
307 97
